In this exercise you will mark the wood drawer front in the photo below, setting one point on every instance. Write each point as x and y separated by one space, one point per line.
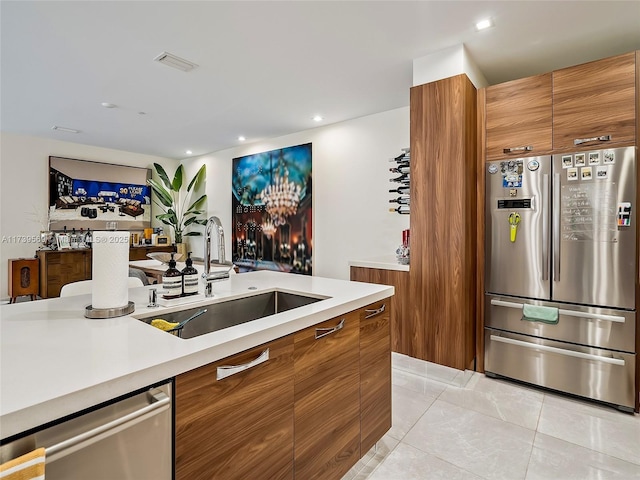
327 400
519 114
375 374
239 427
594 99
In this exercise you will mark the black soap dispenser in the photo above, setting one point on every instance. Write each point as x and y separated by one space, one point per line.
172 280
189 277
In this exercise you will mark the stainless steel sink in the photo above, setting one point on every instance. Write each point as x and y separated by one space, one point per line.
233 312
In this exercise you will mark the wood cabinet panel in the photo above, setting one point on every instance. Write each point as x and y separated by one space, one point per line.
58 268
443 220
519 114
595 99
375 374
327 399
239 427
402 340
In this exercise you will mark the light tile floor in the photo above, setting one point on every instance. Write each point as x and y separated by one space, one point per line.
452 426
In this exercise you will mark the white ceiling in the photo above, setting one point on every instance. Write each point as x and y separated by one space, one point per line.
265 68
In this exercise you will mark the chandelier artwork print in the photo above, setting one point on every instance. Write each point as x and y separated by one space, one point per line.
272 216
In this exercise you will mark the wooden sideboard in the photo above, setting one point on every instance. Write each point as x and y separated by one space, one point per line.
59 267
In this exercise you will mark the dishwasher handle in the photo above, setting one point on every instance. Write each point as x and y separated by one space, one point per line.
161 401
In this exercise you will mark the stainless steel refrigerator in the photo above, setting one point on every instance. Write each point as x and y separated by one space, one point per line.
561 267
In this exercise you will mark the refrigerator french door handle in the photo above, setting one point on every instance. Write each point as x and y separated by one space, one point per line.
556 227
545 227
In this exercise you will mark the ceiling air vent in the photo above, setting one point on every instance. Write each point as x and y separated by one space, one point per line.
171 60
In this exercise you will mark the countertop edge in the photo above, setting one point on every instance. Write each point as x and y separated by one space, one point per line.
388 262
32 416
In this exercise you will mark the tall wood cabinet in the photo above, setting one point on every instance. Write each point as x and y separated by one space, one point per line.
519 118
593 101
443 222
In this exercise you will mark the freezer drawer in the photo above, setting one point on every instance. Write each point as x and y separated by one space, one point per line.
597 374
592 326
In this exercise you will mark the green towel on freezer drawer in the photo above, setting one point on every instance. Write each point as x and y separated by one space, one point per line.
538 313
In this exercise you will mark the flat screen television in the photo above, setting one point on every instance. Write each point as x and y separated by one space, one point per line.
86 194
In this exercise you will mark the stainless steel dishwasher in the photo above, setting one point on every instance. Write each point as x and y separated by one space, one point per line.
129 438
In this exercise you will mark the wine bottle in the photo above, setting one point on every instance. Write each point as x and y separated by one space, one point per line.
400 169
401 209
401 200
404 178
73 240
402 190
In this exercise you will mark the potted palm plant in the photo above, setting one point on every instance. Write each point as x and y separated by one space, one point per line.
178 209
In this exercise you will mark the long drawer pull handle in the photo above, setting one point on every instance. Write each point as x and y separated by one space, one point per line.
373 313
526 148
593 316
570 313
323 332
160 403
559 351
225 371
601 138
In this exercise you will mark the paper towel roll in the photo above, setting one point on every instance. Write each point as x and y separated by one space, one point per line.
110 270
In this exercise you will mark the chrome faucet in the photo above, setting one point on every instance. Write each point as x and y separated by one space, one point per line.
214 228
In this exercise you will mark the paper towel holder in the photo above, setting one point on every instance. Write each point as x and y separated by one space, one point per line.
91 312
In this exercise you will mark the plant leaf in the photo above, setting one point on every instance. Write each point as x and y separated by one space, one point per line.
162 174
163 195
198 179
197 204
176 185
190 220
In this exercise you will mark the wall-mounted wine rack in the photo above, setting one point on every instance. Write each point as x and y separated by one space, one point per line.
403 180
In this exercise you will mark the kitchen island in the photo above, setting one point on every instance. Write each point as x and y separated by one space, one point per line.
55 362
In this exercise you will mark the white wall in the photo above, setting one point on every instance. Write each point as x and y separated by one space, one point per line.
350 188
446 63
24 188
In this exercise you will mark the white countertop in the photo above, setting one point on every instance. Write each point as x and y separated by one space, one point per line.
55 362
385 262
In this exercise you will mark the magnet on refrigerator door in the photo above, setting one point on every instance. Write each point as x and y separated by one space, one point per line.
580 160
624 214
602 173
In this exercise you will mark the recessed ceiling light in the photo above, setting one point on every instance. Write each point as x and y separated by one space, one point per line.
188 152
317 118
484 24
241 138
65 129
108 105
